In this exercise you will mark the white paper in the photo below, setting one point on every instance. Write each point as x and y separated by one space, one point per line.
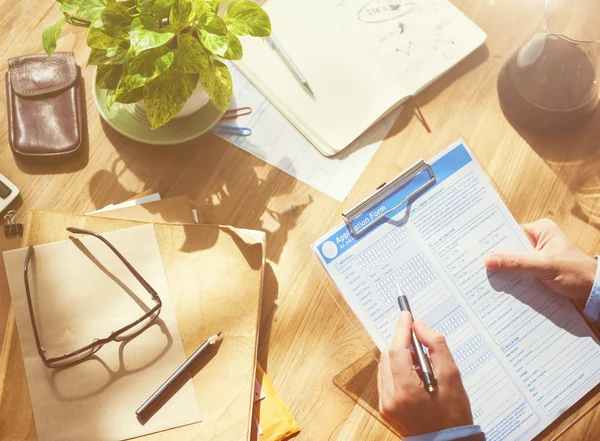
525 354
276 141
416 41
357 74
259 393
139 201
352 91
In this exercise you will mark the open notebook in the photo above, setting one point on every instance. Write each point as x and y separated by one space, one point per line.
362 59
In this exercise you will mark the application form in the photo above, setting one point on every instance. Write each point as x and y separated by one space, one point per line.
525 355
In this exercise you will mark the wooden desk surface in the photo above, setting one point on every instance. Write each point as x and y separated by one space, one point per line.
306 342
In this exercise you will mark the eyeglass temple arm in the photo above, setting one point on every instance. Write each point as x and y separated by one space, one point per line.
38 343
137 275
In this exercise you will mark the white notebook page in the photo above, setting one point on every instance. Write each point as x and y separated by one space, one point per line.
352 90
416 41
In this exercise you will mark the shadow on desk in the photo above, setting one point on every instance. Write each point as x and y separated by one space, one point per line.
574 156
473 60
227 185
359 382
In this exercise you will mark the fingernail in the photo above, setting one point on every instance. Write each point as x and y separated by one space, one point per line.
493 262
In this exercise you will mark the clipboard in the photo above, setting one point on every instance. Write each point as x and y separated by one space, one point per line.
354 266
388 187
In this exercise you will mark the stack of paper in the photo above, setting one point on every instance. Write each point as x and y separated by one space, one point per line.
194 259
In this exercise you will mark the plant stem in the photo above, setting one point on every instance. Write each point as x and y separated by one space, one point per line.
76 21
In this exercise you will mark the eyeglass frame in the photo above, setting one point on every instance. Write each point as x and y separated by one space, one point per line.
97 344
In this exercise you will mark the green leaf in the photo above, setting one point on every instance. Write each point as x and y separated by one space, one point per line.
116 18
158 9
101 35
149 22
244 17
218 84
125 95
147 66
202 8
110 56
213 24
182 14
68 5
166 95
214 4
227 46
90 9
107 77
192 56
50 35
143 38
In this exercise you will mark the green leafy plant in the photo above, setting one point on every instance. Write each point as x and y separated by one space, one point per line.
158 50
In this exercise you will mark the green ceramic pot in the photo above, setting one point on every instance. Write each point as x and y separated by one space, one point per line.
130 120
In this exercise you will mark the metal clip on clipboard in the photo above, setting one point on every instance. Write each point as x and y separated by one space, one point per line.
383 190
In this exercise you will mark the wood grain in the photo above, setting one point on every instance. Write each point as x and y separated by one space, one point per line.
306 341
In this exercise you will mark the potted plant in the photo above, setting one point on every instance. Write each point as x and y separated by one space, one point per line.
162 51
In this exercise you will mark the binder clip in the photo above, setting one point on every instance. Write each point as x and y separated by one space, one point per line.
388 192
11 227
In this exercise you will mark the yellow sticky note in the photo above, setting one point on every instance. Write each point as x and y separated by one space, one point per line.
274 418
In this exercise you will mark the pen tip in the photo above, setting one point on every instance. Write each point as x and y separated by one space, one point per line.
400 293
219 333
309 90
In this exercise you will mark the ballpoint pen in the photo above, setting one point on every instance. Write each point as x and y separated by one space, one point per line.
289 63
183 369
426 371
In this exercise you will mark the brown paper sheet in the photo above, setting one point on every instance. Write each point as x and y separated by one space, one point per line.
6 243
81 291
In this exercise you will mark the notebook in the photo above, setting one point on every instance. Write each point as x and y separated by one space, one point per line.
511 338
361 58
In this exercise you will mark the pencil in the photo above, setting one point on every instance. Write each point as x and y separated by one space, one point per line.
183 369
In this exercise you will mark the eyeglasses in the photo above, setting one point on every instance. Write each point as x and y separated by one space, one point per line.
125 333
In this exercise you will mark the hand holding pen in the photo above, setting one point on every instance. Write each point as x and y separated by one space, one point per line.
403 400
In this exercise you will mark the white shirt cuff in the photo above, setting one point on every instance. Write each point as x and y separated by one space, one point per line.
447 434
592 307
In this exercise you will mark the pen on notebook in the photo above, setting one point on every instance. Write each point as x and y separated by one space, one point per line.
178 373
289 63
426 371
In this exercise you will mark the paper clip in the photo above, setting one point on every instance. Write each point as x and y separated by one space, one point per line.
232 130
235 113
11 227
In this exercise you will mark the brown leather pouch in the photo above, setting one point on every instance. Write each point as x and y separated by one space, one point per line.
45 105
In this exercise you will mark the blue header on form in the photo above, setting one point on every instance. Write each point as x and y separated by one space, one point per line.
342 240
